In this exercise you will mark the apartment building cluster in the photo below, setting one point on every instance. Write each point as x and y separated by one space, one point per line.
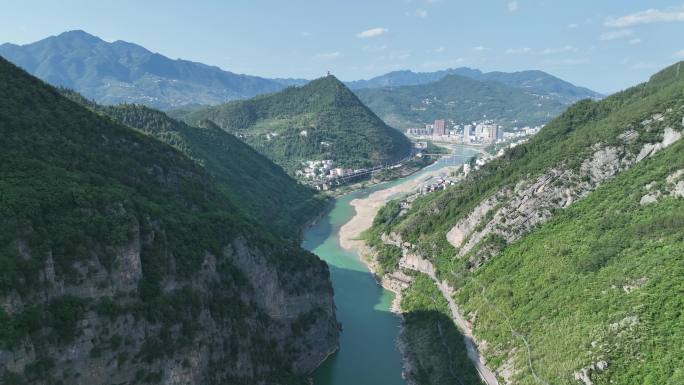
321 169
482 132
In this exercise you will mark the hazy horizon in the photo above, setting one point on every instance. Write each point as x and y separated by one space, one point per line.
605 47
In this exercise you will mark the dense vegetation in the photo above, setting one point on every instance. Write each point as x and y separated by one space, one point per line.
536 82
76 188
567 141
122 72
322 120
460 99
254 184
599 282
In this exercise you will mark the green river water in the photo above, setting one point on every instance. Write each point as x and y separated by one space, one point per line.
368 353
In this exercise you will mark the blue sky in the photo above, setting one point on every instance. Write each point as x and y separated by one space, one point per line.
606 45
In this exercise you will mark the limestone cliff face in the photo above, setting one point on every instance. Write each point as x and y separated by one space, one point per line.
512 212
245 316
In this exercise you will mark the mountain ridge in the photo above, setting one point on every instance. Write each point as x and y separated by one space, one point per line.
320 120
535 81
461 99
120 71
258 187
123 262
106 77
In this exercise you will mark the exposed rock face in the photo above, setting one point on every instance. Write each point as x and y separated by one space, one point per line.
287 298
512 212
238 319
584 375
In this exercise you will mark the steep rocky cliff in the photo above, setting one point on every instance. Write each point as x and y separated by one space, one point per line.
122 262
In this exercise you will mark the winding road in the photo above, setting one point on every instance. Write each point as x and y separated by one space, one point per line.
486 374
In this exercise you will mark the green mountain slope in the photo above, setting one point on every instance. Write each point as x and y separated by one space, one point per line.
321 120
536 82
254 184
600 283
123 72
461 99
566 250
121 261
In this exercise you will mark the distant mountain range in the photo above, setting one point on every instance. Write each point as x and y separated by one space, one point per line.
321 120
461 99
535 82
122 72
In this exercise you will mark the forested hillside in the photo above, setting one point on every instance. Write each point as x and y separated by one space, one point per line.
532 81
321 120
564 255
123 261
123 72
460 99
254 184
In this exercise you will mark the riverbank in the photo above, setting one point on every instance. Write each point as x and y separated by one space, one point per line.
387 176
366 208
371 348
350 239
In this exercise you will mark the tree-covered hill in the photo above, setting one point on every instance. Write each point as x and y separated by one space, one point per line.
532 81
321 120
565 253
122 260
460 99
254 184
123 72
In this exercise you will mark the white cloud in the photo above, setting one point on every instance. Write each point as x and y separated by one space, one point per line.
328 55
440 49
421 13
513 6
618 34
373 32
480 48
572 26
646 17
679 54
433 1
556 50
518 51
635 41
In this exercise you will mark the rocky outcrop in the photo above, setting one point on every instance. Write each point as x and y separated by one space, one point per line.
412 261
673 186
286 298
242 317
513 212
584 375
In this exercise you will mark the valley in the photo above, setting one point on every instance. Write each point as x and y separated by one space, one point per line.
368 343
424 192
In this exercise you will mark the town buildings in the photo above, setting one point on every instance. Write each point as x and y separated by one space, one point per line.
483 132
439 128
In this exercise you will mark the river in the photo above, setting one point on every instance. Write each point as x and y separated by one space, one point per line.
368 353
